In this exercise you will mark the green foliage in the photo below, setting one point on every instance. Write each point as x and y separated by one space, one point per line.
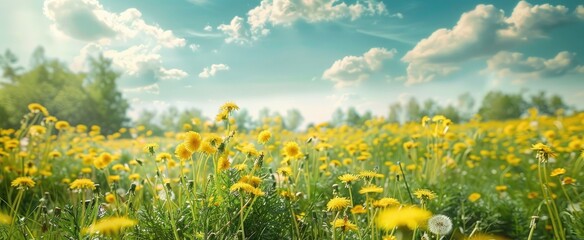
500 106
80 98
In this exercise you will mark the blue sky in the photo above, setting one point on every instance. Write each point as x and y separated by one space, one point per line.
312 55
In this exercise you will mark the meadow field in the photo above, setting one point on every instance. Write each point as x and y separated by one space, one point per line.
429 179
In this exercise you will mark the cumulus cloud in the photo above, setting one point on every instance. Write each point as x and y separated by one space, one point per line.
285 12
132 44
352 70
480 33
236 31
516 65
87 20
212 71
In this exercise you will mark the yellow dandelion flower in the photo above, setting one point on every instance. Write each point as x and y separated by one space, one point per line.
110 198
344 225
292 150
348 178
54 154
23 183
207 148
501 188
558 171
163 156
284 171
192 141
61 125
151 148
264 137
111 226
240 167
37 108
424 194
36 130
543 150
182 152
337 204
113 178
358 209
568 181
408 216
370 174
5 219
250 179
82 183
386 202
370 189
224 163
473 197
229 106
134 177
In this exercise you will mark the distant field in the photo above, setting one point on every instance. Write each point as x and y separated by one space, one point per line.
430 179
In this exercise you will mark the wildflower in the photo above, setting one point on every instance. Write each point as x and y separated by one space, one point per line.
110 198
558 171
54 154
370 189
240 167
182 152
292 150
5 219
386 202
222 115
425 121
163 156
348 178
250 179
36 108
23 183
543 150
370 174
229 107
36 130
344 225
424 194
151 148
473 197
568 181
264 137
113 178
337 204
134 177
61 125
440 224
501 188
409 216
285 171
111 226
247 188
83 183
207 148
224 163
358 209
192 141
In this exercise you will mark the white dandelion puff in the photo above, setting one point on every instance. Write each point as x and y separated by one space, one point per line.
440 224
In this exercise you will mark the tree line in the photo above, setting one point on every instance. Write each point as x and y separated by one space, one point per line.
90 98
93 98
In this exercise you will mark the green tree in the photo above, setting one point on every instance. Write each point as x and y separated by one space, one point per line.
413 110
497 105
394 113
109 107
293 119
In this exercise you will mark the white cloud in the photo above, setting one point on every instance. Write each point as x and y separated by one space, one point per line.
516 65
208 28
87 20
285 12
344 99
211 71
153 89
194 47
236 31
481 33
352 70
132 44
